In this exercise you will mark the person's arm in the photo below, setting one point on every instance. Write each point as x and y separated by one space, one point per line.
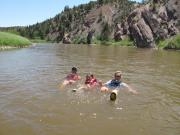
107 83
129 88
68 76
104 87
79 77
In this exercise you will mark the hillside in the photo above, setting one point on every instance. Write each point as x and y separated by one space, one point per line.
93 19
103 20
74 22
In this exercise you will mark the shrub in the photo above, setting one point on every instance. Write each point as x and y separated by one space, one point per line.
171 43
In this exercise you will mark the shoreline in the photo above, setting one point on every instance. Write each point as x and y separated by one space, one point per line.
7 47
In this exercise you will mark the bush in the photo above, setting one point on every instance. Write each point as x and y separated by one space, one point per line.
80 40
171 43
125 42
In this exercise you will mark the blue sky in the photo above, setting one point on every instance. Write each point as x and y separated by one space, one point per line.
28 12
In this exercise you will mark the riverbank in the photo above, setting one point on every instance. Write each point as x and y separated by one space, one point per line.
125 42
9 41
170 43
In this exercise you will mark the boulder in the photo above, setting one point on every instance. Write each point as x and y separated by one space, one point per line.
172 30
66 39
118 32
150 20
147 25
142 35
140 31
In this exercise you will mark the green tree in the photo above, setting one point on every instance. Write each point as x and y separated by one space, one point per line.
66 8
100 2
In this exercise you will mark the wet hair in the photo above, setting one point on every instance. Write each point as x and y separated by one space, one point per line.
74 69
118 73
90 75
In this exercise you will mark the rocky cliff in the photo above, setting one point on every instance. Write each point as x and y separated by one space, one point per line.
145 25
154 21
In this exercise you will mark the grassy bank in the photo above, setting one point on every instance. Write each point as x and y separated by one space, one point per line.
12 40
97 41
125 42
171 43
37 40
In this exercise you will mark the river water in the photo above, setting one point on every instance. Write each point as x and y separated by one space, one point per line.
31 102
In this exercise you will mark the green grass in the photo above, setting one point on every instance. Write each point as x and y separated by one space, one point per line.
38 41
79 40
125 42
12 40
171 43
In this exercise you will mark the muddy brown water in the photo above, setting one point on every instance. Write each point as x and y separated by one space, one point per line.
31 102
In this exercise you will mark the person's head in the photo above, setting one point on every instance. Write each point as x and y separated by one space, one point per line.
89 76
92 76
74 69
117 75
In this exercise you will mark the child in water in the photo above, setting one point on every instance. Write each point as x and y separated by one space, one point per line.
71 78
90 83
114 85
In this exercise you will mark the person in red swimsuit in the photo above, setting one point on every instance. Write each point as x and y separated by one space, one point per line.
71 78
91 82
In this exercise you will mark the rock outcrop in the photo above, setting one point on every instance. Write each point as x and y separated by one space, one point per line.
121 31
139 30
148 24
89 36
66 39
